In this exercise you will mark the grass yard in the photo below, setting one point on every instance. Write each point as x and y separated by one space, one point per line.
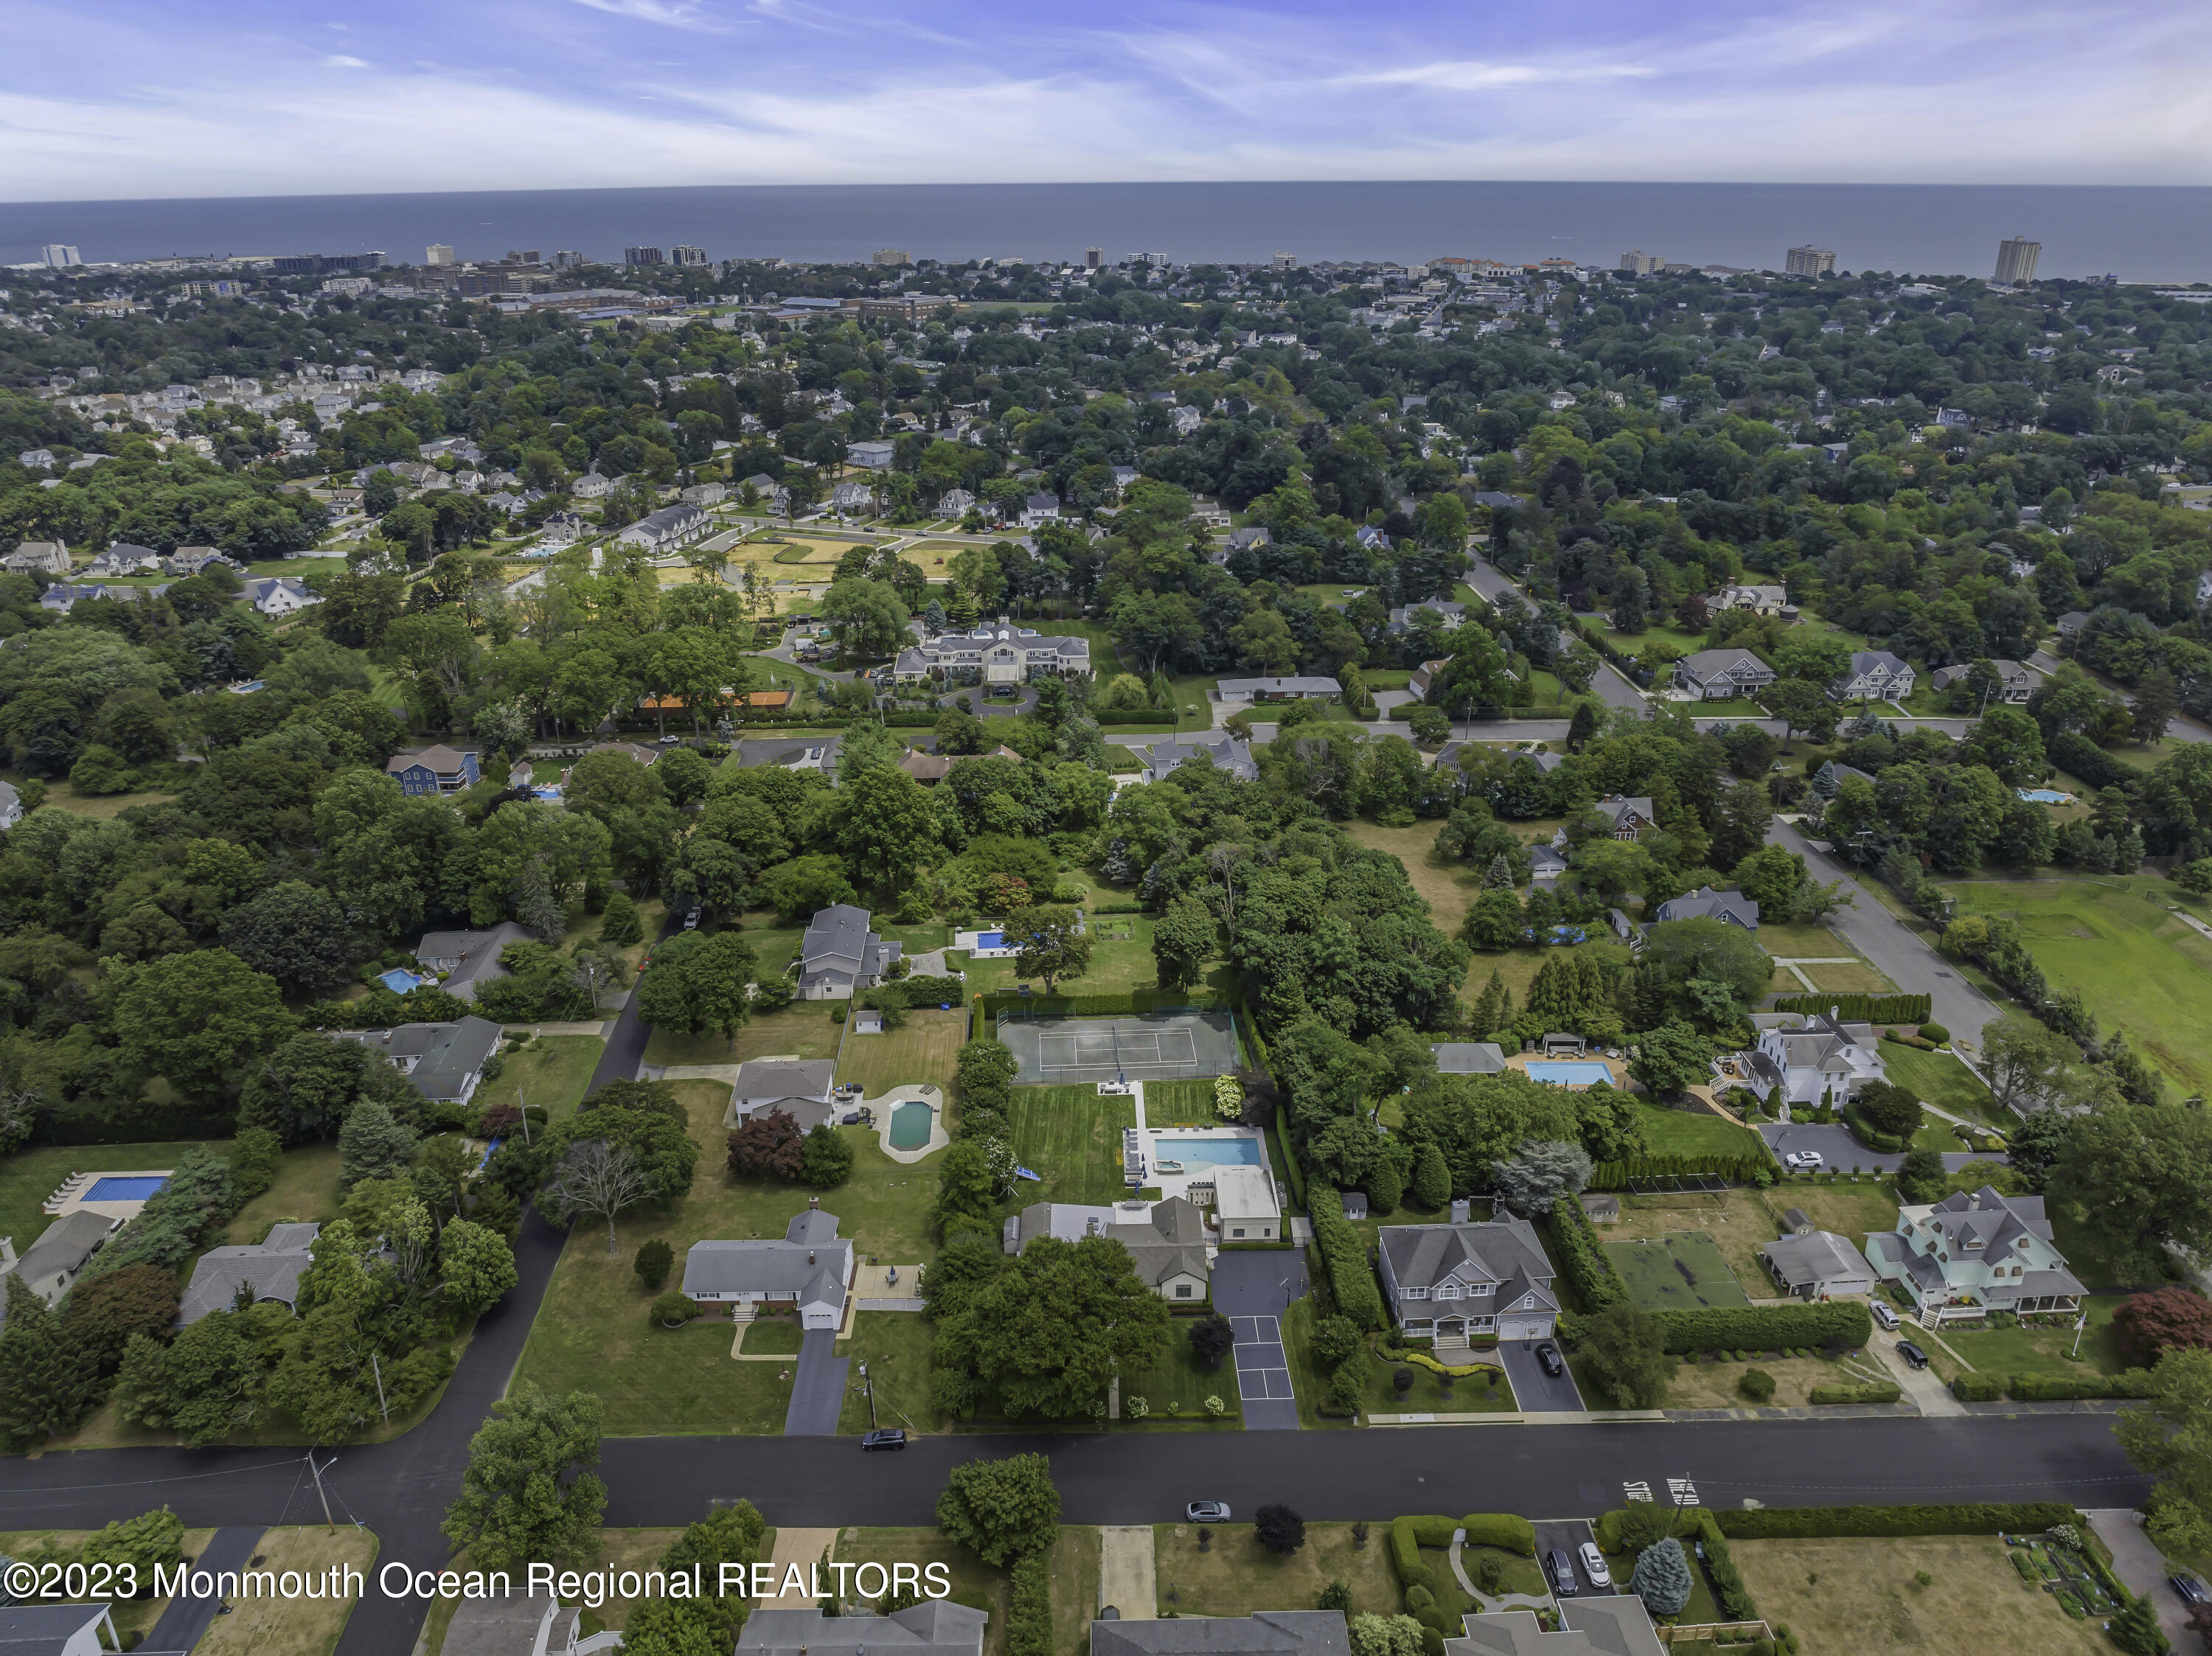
628 1550
551 1073
921 1051
2135 964
1181 1104
1115 967
1856 979
1694 1132
1850 1209
1843 1597
1236 1576
766 1337
1713 1384
1735 1220
1940 1079
1801 940
974 1583
28 1178
1680 1271
291 1627
306 1188
1449 888
2022 1350
1309 1380
1178 1385
1073 1138
1073 1566
1486 1393
895 1344
803 1029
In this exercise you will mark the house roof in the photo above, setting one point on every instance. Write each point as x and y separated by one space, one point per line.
1307 684
1165 1238
445 1055
1710 664
1264 1633
838 940
935 1624
1245 1193
783 1077
1227 754
1504 1251
273 1266
441 759
1873 661
66 1243
1707 904
1613 1624
476 952
1469 1058
47 1629
506 1626
1806 1261
810 1261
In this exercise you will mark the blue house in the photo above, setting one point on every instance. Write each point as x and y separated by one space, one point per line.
433 770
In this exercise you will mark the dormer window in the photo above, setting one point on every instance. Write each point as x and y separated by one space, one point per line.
1448 1291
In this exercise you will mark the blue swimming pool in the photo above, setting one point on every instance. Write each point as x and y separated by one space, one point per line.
135 1188
1213 1152
399 981
990 940
1560 1073
2044 796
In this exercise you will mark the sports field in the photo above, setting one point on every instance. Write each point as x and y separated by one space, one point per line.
1681 1270
1151 1048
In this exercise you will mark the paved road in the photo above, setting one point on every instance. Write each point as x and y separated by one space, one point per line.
625 1048
1893 946
1536 1391
186 1618
1843 1151
1612 685
1253 1288
818 1390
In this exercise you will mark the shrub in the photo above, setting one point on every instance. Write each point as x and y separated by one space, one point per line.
1029 1617
652 1264
1935 1032
150 1539
1757 1385
2134 1383
1575 1248
1507 1531
673 1311
1350 1282
256 1156
1862 1009
1888 1391
1806 1523
1763 1328
1406 1556
1279 1529
2149 1323
1977 1388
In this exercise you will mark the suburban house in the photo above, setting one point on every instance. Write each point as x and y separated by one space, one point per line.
935 1627
872 455
191 560
931 768
1611 1624
58 1630
1166 1239
1831 776
433 770
798 1087
277 595
1759 600
124 559
467 958
271 1268
2070 625
853 497
1422 677
1629 817
1226 753
1204 507
2015 684
704 494
839 954
1976 1251
38 558
1469 1058
510 1624
1456 1280
1263 1633
11 805
666 529
1038 510
1820 1265
64 596
49 1265
999 654
809 1271
1707 904
1546 866
1293 689
771 492
1873 675
1717 674
591 486
444 1061
1245 1206
1449 615
1813 1058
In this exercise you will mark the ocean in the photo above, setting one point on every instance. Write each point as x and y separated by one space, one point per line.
2152 233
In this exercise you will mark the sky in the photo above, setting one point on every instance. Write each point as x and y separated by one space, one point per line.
135 98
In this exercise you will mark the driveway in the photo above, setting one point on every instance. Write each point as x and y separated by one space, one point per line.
1567 1535
818 1390
186 1618
1921 1385
1536 1391
1253 1288
2137 1562
1845 1152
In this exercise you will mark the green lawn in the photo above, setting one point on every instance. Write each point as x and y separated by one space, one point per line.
921 1051
777 1339
1693 1132
1114 966
1073 1138
1675 638
895 1344
1235 1576
28 1179
1940 1079
306 1188
805 1028
1178 1385
550 1073
2022 1350
1483 1393
1307 1380
2134 963
1681 1270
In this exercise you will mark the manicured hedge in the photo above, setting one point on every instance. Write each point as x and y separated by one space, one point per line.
1735 1599
1763 1327
1576 1251
1406 1556
1293 1173
2079 756
1889 1391
1807 1523
2035 1388
1134 1003
1744 1169
1029 1617
1350 1283
1862 1009
1134 715
1977 1388
1509 1531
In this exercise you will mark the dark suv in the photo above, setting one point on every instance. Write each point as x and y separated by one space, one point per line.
890 1437
1561 1570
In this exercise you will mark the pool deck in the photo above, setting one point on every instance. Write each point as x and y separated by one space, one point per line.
886 1106
70 1196
1159 1144
1614 1067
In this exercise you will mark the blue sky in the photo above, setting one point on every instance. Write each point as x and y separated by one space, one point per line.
133 98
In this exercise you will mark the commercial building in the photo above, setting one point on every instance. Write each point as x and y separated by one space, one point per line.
2016 260
644 256
1810 261
437 253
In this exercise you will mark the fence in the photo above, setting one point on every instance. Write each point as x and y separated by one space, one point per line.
1714 1632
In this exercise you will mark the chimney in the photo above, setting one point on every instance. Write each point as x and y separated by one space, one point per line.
1463 1210
809 1256
813 1204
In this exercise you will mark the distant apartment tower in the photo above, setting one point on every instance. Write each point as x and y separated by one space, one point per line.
1157 260
59 256
1287 261
891 255
2016 260
521 255
568 261
1640 263
437 253
691 257
1810 261
1094 258
644 256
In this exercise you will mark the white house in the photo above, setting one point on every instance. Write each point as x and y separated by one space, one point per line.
875 455
38 557
992 654
954 503
278 595
1813 1057
1454 1280
1226 753
706 494
2015 683
57 1259
124 559
1873 675
798 1087
853 498
1040 509
1469 1058
445 1061
809 1271
1717 674
1759 600
11 805
839 954
1975 1251
666 529
1245 1206
591 486
1296 687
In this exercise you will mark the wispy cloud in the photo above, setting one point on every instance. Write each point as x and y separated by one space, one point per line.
339 60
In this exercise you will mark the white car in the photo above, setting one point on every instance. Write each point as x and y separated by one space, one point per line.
1594 1566
1797 1159
1883 1313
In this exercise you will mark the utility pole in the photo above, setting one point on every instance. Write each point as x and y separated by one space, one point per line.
321 1492
377 1368
868 1387
522 1103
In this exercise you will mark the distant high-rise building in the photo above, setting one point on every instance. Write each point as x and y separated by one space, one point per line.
644 256
566 261
59 256
1093 259
2016 259
891 255
521 255
692 256
437 253
1810 261
1287 261
1640 262
1157 260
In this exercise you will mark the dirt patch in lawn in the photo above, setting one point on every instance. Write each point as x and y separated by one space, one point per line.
1738 1224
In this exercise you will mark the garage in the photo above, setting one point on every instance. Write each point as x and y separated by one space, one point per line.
1532 1327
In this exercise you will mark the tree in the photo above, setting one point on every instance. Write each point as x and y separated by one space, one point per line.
1279 1529
866 617
203 1019
1626 1355
475 1266
2033 1147
1800 707
1182 940
2026 1061
1670 1059
697 982
769 1146
2157 699
655 1260
885 825
1053 945
1493 1007
598 1178
1920 1175
1211 1338
529 1493
1889 1109
802 885
1495 921
1049 1332
46 1385
296 932
2136 1631
1742 817
204 1387
373 1145
1544 1171
1771 877
827 1159
105 1312
1432 1178
619 926
2140 1178
2170 1439
2148 1325
1662 1580
1000 1510
1381 1635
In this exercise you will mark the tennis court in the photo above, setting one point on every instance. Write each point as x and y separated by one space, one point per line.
1159 1047
1682 1270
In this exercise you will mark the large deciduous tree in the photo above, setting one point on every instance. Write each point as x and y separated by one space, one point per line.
1048 1333
529 1492
1000 1510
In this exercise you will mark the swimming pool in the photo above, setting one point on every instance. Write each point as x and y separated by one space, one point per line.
910 1126
1213 1152
135 1188
1561 1074
399 981
2044 796
990 940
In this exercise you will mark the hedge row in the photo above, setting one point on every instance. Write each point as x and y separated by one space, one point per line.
1029 1617
1406 1554
1764 1327
1744 1169
1977 1388
2037 1388
1735 1601
1580 1259
1134 715
1508 1532
1888 1391
1132 1003
1808 1523
1862 1009
1350 1283
1292 1173
2077 756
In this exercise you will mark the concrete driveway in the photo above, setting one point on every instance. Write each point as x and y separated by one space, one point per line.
1920 1385
818 1390
1536 1391
1253 1288
2137 1562
1845 1152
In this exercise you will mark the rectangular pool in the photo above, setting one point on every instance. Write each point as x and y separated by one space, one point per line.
135 1188
1213 1152
1561 1073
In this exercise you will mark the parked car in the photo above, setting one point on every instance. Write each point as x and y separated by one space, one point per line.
1207 1512
1882 1314
1797 1159
1912 1354
691 919
1594 1566
2192 1590
890 1437
1548 1354
1561 1570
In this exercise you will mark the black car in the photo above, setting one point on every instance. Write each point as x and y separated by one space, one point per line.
1561 1570
1912 1354
2192 1590
890 1437
1548 1354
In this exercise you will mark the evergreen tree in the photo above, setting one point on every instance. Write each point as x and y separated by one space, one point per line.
1493 1007
1663 1577
1432 1179
1584 726
372 1144
1498 877
621 928
46 1386
1385 1187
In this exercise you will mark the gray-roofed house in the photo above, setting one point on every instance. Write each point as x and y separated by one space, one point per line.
271 1268
445 1061
1831 776
1450 615
994 653
51 1264
57 1630
1810 1058
1717 674
935 1627
11 805
1469 1058
1611 1624
1732 907
1454 1281
277 595
512 1624
664 530
1167 1239
1759 600
38 558
798 1087
810 1270
1976 1251
436 769
2070 624
1546 866
840 954
1263 1633
1628 816
468 958
1873 675
1226 753
803 753
2015 683
1294 687
1819 1265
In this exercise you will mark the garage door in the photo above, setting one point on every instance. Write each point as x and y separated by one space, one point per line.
1523 1328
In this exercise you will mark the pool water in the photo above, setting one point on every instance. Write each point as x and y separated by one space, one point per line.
399 982
1213 1152
990 940
910 1126
135 1188
1561 1074
2044 796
